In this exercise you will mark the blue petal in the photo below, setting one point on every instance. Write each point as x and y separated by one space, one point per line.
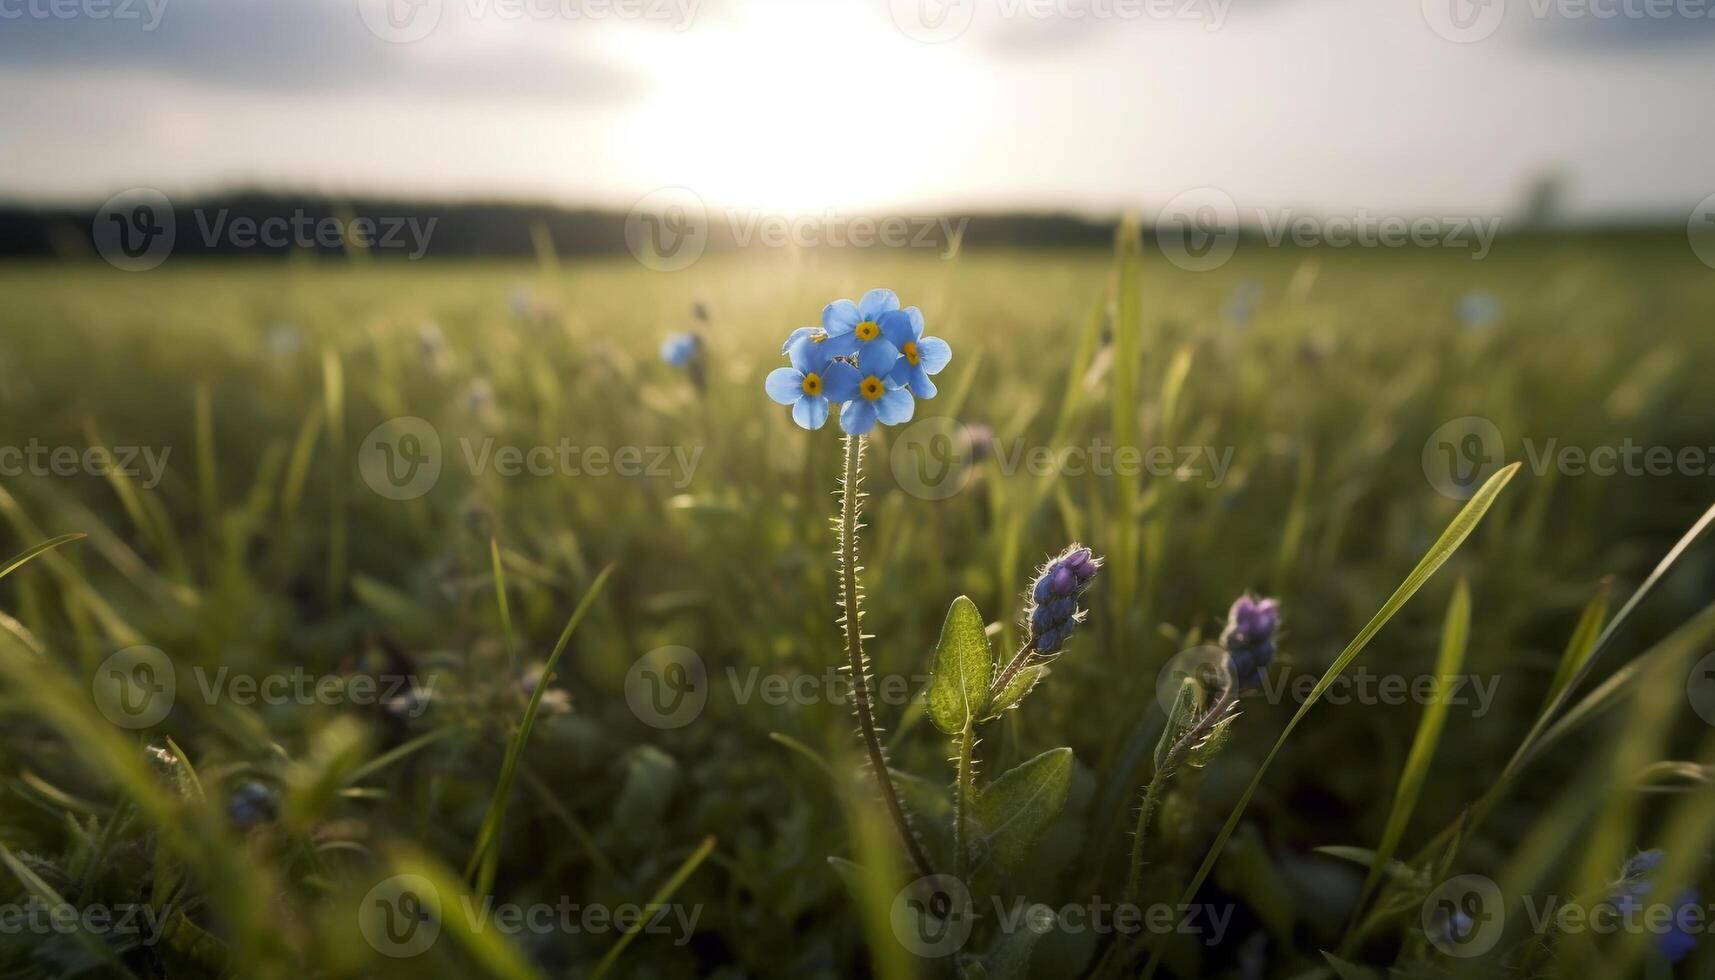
858 417
840 383
797 335
785 385
916 316
896 327
877 357
895 407
934 353
840 345
919 382
876 302
840 316
809 356
811 412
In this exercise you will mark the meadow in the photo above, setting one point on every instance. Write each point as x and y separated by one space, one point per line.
271 678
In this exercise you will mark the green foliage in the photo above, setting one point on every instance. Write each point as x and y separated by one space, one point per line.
959 687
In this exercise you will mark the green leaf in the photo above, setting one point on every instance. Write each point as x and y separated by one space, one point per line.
1009 958
45 893
28 554
1455 635
1016 690
1583 642
1463 524
958 691
1348 971
1016 809
1184 714
1397 870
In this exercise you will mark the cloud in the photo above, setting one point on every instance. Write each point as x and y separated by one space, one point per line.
317 46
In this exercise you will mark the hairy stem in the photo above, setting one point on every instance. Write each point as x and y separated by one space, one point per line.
1013 666
851 601
963 792
1158 784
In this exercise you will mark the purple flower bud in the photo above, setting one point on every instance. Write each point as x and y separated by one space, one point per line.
1249 637
1054 596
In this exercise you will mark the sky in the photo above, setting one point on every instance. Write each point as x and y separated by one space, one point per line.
870 107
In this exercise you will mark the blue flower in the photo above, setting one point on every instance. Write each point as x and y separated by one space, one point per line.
919 356
813 379
1478 309
843 345
860 321
679 349
877 397
1637 880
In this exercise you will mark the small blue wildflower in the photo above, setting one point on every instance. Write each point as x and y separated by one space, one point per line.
1249 638
679 349
1478 309
919 356
251 804
1637 880
877 398
811 382
862 321
1054 612
1243 302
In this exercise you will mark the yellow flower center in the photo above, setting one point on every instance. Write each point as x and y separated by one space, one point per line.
868 330
812 383
910 352
872 388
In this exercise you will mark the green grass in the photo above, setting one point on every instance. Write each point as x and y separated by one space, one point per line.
262 550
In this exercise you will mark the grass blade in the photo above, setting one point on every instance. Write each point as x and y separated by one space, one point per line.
27 555
486 853
656 900
1454 640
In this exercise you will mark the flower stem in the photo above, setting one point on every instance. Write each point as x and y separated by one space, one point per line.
963 793
1011 670
851 601
1158 784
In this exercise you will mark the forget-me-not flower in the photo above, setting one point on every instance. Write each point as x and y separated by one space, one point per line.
878 397
811 382
861 321
678 349
919 356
